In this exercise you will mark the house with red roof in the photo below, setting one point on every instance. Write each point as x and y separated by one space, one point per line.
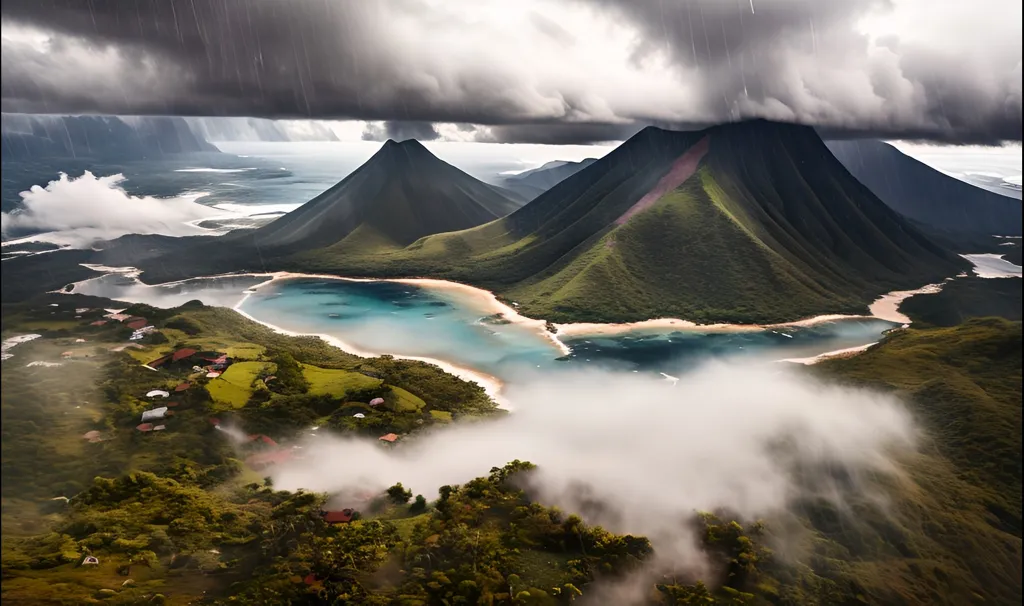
261 438
262 460
338 517
389 437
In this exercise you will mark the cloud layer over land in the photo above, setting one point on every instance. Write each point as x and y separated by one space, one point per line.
639 455
531 71
78 211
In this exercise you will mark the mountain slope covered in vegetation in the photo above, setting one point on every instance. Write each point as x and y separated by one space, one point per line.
181 516
749 222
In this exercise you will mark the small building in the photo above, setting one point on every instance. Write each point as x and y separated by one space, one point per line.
388 437
93 436
136 324
261 438
376 401
338 517
178 356
263 460
154 414
157 393
183 354
90 561
98 323
180 387
213 374
79 340
159 427
67 354
144 427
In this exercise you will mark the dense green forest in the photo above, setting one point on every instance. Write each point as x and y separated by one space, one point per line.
185 516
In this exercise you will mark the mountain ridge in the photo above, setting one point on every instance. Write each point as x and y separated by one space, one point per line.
533 182
813 239
926 195
28 137
768 227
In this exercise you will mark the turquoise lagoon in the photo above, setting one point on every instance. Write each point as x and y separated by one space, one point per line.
411 320
382 317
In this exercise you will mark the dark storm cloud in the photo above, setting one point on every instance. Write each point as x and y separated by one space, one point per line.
400 131
405 62
765 58
557 134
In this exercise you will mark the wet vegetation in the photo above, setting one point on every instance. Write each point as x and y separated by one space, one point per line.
185 515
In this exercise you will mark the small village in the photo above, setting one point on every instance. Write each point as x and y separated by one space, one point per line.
197 396
188 367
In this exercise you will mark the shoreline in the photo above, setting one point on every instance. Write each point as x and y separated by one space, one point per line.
885 308
847 352
491 385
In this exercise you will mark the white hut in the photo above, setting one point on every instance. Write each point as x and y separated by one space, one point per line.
376 401
155 414
157 393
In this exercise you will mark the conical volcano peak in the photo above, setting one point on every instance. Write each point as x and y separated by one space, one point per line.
404 152
402 193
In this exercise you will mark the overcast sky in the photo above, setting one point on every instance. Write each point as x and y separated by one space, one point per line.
541 71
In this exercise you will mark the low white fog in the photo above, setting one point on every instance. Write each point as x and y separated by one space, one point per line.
725 436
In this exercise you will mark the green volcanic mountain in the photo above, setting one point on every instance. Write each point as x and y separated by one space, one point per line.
753 221
926 195
399 195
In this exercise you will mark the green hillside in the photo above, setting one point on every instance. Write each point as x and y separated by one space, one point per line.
763 224
181 517
952 531
966 298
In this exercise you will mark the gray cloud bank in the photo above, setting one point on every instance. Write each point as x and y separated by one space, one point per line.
534 71
641 456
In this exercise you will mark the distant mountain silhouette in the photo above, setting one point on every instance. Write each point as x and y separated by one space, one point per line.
753 221
926 195
28 137
532 183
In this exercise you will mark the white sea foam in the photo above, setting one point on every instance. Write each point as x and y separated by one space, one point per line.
213 170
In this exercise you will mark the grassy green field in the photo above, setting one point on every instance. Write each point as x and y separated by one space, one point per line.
234 386
336 381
